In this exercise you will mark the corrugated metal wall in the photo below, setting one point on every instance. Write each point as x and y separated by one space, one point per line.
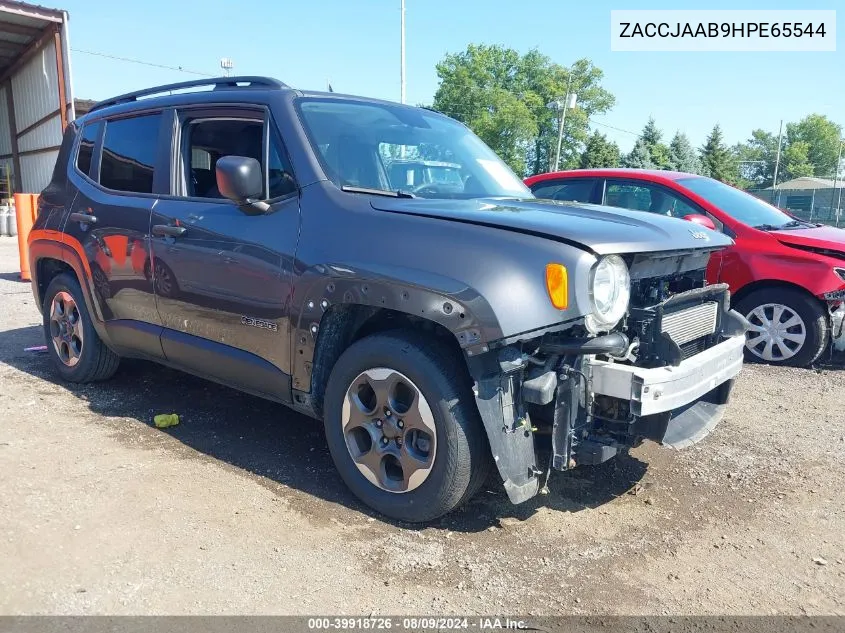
5 137
36 170
6 164
36 95
35 87
45 135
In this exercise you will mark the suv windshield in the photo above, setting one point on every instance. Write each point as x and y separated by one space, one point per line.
739 205
395 148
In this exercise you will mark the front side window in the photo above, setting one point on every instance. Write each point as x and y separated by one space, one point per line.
90 134
627 196
396 148
280 175
569 190
129 154
206 141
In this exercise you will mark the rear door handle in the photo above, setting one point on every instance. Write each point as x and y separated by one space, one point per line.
167 230
83 217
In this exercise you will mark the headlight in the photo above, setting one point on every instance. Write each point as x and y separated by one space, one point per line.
610 291
840 272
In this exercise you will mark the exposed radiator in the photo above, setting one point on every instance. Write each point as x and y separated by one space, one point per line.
687 325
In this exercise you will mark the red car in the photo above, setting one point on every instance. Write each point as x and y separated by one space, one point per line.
787 276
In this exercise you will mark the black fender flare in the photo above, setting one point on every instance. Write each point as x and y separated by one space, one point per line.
448 302
454 305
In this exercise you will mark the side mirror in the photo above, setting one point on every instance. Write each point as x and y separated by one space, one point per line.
240 180
703 220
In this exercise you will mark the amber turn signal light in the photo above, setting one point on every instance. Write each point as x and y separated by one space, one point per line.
557 285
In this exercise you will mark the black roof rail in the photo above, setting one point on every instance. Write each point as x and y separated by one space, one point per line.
219 83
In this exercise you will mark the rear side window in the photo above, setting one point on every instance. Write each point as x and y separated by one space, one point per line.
565 190
90 134
129 154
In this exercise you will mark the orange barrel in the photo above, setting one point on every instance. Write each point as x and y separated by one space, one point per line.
25 219
34 206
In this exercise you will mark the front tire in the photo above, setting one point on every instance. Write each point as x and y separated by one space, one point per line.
77 352
788 327
402 426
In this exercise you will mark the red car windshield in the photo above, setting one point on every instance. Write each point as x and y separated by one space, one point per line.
740 205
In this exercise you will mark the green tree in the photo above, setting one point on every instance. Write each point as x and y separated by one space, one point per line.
639 158
717 160
653 139
796 161
599 152
504 97
756 158
822 137
682 155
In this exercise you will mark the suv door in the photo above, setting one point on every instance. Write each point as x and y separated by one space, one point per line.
223 276
117 173
641 195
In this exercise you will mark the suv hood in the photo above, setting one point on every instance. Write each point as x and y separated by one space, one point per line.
821 238
602 230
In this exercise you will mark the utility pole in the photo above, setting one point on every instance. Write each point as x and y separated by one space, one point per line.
227 65
562 107
777 164
835 179
402 44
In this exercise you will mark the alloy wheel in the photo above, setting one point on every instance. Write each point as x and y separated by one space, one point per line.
389 430
66 328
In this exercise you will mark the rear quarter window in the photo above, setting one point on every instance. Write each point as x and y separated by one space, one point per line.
85 156
569 190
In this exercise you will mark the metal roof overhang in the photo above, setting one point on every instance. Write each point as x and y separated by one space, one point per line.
34 124
24 28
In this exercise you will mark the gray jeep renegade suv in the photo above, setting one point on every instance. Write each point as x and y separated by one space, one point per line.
253 234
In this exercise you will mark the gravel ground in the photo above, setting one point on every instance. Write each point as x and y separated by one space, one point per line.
238 509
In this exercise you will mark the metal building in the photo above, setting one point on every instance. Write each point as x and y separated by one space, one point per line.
36 96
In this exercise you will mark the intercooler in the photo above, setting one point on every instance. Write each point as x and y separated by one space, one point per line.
690 324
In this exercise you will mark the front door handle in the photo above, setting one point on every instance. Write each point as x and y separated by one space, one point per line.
85 218
167 230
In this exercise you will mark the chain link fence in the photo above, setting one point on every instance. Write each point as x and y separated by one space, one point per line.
824 205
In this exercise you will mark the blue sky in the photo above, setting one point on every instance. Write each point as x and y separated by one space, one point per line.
355 43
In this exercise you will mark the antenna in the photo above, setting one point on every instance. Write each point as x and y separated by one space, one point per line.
227 65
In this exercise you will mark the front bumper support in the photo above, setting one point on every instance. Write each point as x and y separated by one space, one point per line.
663 389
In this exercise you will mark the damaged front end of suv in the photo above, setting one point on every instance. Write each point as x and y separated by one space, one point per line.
653 357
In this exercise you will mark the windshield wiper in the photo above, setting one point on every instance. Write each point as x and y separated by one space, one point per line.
377 192
792 224
797 224
769 227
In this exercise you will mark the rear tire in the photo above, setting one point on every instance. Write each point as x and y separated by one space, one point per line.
77 352
770 311
460 457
